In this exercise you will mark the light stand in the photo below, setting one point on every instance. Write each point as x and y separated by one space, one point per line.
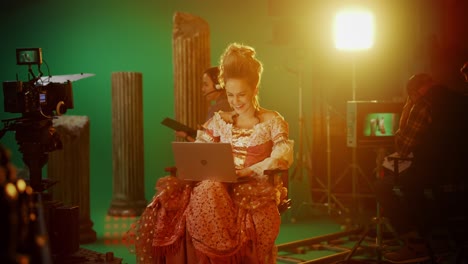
354 149
329 196
363 30
300 160
328 199
300 166
328 158
353 167
354 29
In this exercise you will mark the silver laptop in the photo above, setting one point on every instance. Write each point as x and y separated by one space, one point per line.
204 161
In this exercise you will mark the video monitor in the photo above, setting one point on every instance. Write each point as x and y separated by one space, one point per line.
372 123
380 124
29 56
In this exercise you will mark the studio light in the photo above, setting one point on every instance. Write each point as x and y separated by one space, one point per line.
354 29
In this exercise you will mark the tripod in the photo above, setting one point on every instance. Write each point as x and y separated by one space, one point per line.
328 198
301 168
35 138
353 167
379 222
356 173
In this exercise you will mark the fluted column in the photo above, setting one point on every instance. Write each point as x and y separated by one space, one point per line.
191 56
70 167
128 197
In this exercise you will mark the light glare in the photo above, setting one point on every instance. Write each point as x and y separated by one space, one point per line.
354 30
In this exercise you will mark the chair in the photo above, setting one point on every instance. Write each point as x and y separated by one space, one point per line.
446 217
280 177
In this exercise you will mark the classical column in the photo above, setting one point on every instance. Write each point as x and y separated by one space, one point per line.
70 167
191 56
128 197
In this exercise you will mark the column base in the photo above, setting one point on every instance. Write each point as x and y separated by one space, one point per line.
127 208
87 234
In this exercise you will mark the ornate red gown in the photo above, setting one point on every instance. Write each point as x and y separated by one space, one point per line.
214 222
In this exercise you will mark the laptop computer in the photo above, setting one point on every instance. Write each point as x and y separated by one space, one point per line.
204 161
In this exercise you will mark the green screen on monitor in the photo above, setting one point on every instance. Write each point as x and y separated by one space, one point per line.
29 56
380 124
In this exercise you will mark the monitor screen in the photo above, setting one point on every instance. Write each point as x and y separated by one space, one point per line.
29 56
372 123
380 124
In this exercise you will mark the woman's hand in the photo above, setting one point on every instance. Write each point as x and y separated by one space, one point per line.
282 164
245 172
184 135
181 134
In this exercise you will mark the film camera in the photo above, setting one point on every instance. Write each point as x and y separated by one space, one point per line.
39 94
39 100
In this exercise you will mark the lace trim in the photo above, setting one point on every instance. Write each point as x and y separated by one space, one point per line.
275 129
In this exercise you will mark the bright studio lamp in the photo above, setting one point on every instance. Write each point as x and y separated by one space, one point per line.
354 31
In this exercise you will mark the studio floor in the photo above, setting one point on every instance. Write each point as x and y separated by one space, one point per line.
309 234
308 223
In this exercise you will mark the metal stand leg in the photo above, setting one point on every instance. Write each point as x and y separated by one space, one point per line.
301 168
381 223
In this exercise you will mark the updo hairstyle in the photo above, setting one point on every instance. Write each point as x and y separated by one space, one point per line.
239 62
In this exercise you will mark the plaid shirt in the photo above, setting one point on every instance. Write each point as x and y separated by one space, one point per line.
408 136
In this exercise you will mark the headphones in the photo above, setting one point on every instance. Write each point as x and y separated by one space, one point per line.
464 70
419 83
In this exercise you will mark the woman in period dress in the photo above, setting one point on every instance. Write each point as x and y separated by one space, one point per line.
214 222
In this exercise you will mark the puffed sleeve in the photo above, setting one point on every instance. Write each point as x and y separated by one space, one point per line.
281 156
210 131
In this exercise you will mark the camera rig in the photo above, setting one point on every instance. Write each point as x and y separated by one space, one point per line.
39 100
39 94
